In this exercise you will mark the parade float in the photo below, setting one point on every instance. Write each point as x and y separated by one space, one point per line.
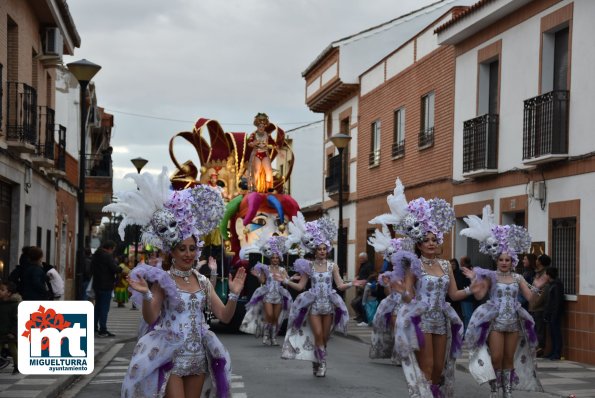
252 171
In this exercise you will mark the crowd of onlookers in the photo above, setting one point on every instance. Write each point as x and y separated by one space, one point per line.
547 310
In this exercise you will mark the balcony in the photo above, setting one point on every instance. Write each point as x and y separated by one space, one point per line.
21 117
426 138
44 155
545 128
480 146
98 183
331 181
59 167
374 158
398 149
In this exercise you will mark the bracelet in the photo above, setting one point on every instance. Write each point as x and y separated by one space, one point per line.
349 284
286 281
232 297
535 290
467 290
148 296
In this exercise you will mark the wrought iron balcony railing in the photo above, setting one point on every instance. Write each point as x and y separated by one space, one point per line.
331 181
480 143
374 158
426 137
398 148
99 165
545 125
21 112
45 147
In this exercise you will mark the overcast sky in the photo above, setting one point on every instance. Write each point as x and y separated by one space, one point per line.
167 63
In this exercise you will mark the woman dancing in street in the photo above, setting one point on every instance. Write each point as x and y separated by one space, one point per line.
270 303
501 339
178 356
429 332
316 312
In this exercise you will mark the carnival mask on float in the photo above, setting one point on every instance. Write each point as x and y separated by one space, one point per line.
165 226
412 227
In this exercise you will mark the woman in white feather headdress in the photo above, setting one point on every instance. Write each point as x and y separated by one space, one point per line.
428 333
319 310
177 356
501 338
270 303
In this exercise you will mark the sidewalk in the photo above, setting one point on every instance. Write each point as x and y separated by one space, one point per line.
122 322
560 378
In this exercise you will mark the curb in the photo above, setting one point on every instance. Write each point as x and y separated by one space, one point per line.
56 388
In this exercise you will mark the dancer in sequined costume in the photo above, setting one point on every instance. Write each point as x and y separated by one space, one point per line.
501 338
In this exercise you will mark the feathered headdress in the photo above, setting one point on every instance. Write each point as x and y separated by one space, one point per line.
167 217
274 245
418 217
309 235
382 242
497 239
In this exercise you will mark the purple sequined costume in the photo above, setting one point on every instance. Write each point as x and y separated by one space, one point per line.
428 312
320 299
179 342
271 292
502 312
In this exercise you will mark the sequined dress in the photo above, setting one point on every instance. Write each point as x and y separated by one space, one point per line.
179 343
383 335
503 313
271 292
428 312
320 299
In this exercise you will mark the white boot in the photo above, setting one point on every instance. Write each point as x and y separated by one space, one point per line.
321 356
274 335
507 383
266 340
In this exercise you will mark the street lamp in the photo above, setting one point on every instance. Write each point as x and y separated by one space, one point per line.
139 163
341 141
83 71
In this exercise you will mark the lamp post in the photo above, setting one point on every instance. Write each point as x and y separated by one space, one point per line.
83 71
138 163
341 141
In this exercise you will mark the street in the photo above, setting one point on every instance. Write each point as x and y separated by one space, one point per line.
259 371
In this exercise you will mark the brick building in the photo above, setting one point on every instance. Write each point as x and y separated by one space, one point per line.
522 141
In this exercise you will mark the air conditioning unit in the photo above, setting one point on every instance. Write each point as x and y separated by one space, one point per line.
52 42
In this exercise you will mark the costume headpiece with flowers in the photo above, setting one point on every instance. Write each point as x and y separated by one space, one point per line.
496 239
274 245
309 235
167 217
418 217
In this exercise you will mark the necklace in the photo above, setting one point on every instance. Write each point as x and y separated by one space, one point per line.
182 274
500 273
427 261
318 263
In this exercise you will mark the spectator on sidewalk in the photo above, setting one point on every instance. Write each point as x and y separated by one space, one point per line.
55 282
9 303
528 272
34 277
469 303
16 276
537 306
554 311
364 272
105 270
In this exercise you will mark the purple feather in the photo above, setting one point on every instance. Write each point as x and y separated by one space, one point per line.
153 275
457 341
299 319
255 300
302 266
388 316
530 327
403 261
338 315
485 328
162 371
285 303
421 340
218 365
263 268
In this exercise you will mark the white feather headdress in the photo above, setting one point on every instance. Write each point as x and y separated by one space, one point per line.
397 203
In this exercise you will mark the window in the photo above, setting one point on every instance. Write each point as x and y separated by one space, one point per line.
38 240
48 246
398 148
426 134
329 124
555 55
344 127
488 87
375 144
564 251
